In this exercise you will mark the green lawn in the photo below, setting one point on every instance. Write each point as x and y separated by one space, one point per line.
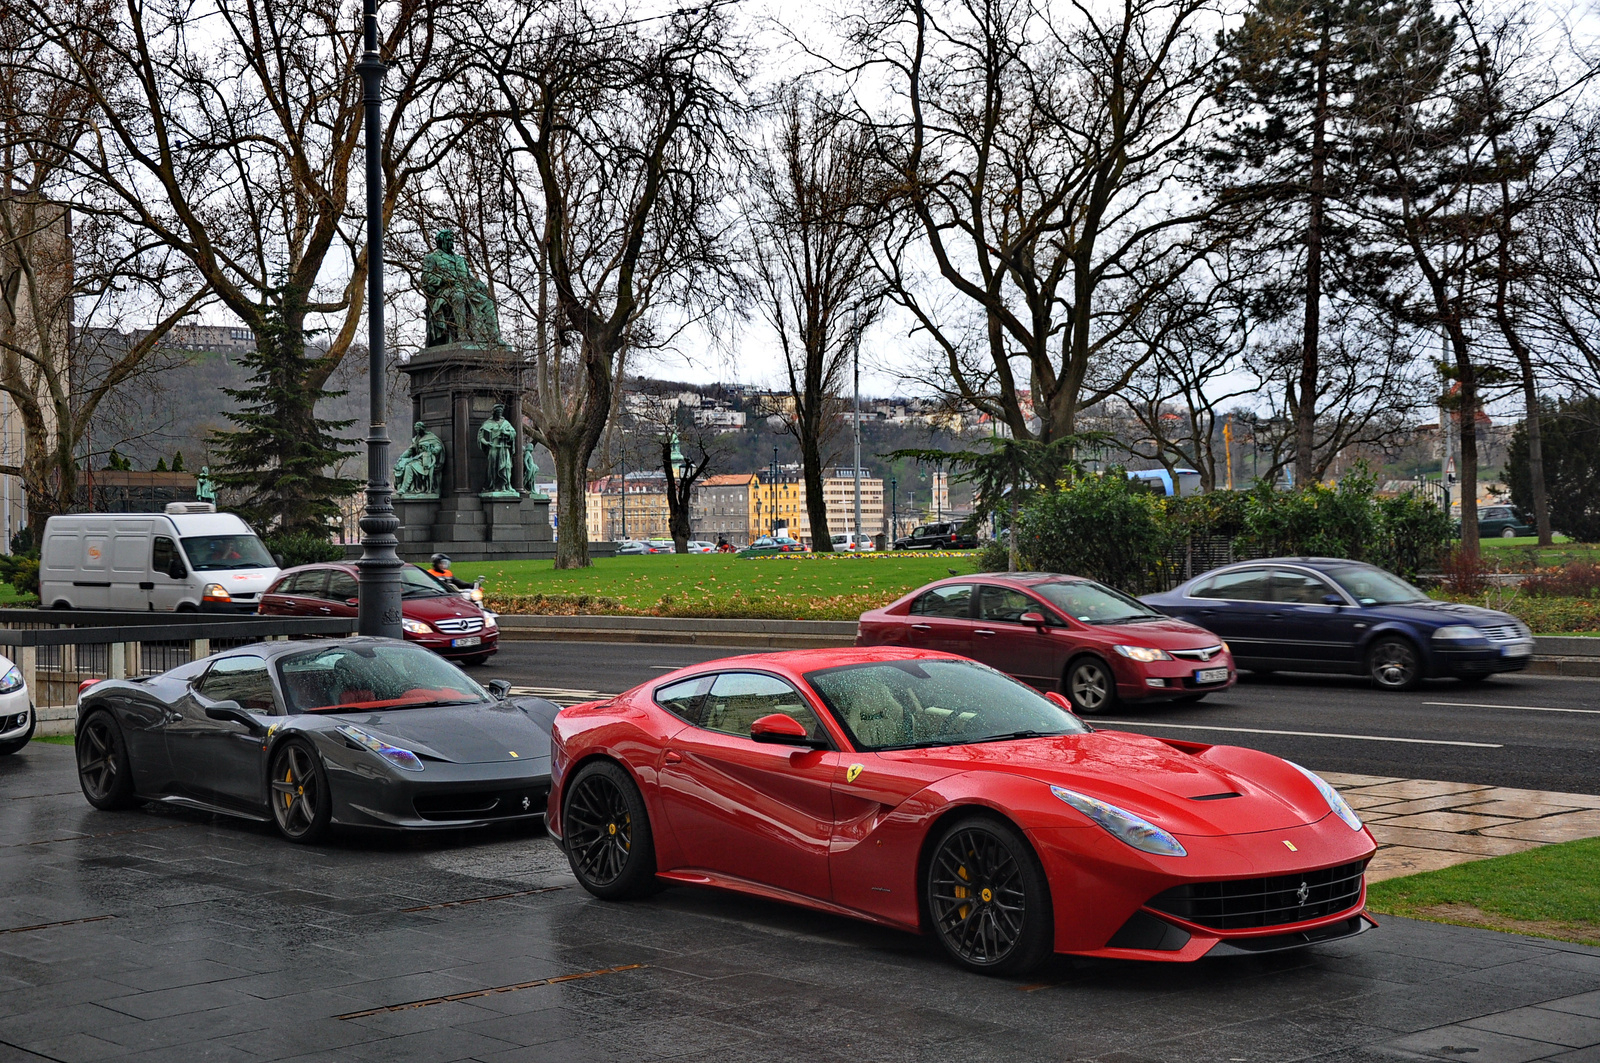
1526 553
54 740
811 587
1553 891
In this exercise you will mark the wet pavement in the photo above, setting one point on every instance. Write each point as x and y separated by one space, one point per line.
173 936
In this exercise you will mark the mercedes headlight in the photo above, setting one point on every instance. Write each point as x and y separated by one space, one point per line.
1457 633
1143 653
1139 833
1336 801
403 759
489 621
11 681
416 627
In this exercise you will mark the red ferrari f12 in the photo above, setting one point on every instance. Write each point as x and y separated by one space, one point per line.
931 793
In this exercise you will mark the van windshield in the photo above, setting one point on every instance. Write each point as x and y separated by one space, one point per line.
209 553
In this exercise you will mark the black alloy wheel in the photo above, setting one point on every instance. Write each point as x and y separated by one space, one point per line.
1393 664
1091 687
606 832
987 898
103 769
301 805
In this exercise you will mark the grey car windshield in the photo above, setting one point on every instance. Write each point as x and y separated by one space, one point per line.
1092 603
901 704
370 676
210 553
1374 586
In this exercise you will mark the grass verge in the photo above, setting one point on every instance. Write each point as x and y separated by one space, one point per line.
1552 892
54 740
800 587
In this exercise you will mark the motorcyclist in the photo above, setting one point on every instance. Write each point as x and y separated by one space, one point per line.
440 571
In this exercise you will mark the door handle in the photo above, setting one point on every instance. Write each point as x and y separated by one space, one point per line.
147 586
672 756
983 631
324 609
921 627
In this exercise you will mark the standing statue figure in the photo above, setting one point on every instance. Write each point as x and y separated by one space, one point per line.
418 469
498 438
458 304
530 470
204 489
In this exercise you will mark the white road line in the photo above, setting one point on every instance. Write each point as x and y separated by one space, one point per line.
1302 734
1523 708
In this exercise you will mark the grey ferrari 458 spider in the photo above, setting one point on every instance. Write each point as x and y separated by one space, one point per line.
361 731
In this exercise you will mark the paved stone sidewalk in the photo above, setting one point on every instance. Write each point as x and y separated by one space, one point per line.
1423 825
169 936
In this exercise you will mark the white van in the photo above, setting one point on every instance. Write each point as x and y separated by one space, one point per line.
189 558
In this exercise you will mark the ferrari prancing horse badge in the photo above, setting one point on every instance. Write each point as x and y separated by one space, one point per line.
851 772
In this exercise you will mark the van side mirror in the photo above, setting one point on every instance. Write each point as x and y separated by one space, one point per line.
277 559
233 712
500 688
176 570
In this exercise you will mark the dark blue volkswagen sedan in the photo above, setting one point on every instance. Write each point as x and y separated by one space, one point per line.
1321 614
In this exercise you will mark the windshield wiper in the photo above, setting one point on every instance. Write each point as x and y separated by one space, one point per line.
961 740
1027 733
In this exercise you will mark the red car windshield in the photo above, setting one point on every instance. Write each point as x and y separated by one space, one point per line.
1091 603
368 676
906 704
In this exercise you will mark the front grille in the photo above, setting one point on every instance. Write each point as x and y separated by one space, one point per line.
1204 654
1247 903
481 804
464 626
1501 633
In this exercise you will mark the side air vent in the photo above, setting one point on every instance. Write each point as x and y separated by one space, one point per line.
1217 797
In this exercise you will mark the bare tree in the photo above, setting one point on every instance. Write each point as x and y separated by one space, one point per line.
813 218
1038 151
617 142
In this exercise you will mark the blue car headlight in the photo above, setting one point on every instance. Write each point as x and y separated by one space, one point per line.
11 681
1124 825
1457 633
1336 801
403 759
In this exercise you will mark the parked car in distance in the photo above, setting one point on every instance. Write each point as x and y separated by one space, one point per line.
699 546
363 732
1093 644
635 546
767 545
943 535
1500 522
16 709
844 542
662 546
436 616
928 793
1322 614
189 557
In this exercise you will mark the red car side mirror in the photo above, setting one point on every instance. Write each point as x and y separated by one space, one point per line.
779 729
1059 699
1036 619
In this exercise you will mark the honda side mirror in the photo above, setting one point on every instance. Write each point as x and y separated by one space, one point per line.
783 730
233 712
500 688
1035 619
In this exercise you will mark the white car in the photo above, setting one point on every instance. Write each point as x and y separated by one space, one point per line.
16 709
842 542
697 546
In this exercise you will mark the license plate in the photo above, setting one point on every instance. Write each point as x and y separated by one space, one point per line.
1211 675
470 640
1516 649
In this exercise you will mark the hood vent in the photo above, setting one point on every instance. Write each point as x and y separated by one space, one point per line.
1217 797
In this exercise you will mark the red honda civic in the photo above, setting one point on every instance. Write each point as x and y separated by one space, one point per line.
931 793
435 616
1095 645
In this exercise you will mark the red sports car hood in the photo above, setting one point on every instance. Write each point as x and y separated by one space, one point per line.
1177 791
1166 634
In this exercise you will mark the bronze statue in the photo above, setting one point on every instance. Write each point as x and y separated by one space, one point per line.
418 469
530 471
458 307
498 438
204 489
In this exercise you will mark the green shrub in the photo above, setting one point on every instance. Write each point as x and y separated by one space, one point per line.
21 571
303 548
993 556
1099 527
1413 535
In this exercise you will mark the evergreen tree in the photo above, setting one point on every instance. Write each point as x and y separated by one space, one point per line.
1570 433
177 462
161 465
281 452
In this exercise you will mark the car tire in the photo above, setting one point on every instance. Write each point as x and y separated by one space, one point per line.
606 833
302 807
1090 685
1507 533
987 898
104 771
1394 664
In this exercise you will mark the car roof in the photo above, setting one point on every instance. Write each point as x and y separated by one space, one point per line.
798 662
273 650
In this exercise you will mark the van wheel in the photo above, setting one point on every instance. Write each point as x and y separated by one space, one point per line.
61 605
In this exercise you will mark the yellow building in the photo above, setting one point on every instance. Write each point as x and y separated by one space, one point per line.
639 512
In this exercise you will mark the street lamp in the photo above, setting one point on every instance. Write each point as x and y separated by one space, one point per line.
774 488
894 513
378 595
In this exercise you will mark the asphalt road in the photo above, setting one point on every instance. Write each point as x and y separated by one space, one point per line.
1531 732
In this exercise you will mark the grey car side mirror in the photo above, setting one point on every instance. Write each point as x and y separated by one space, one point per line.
233 712
500 688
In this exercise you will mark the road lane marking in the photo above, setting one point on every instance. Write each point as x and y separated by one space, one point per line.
1523 708
470 994
1305 734
47 926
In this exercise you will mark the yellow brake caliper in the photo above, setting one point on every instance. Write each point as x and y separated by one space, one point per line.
962 892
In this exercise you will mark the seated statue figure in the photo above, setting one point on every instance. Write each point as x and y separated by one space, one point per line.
458 307
419 467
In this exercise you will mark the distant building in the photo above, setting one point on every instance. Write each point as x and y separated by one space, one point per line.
220 339
724 508
126 491
780 505
839 493
634 507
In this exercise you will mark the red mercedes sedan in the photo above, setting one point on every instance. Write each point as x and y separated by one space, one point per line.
930 793
1093 644
435 616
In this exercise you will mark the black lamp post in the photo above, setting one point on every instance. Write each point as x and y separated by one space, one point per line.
894 513
774 482
378 612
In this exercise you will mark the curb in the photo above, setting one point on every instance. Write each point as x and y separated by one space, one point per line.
761 634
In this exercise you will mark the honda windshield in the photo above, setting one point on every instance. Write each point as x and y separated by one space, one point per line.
1091 603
